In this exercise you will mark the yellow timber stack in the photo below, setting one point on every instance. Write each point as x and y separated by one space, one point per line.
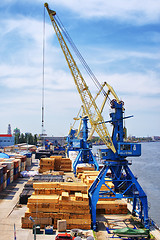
55 163
53 201
104 206
58 201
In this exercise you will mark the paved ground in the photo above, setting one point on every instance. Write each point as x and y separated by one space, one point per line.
107 223
11 213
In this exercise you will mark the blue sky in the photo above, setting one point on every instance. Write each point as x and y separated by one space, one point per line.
120 41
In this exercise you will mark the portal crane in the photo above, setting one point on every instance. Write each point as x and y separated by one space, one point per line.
77 140
81 145
115 162
87 99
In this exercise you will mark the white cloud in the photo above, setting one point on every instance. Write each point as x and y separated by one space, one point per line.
135 11
109 55
136 83
21 79
21 68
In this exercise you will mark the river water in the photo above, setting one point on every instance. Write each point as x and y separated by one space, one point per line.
147 169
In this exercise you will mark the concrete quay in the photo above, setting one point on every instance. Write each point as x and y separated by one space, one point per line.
11 213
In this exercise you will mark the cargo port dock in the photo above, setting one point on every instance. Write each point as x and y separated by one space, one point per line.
12 213
63 198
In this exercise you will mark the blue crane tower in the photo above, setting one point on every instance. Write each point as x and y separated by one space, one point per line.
115 156
82 145
117 166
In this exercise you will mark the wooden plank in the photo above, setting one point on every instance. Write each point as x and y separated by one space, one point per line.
65 196
79 226
85 197
78 196
73 186
42 205
87 168
43 199
56 157
42 185
85 211
80 216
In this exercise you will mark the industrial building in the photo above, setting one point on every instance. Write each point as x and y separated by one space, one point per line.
57 141
6 140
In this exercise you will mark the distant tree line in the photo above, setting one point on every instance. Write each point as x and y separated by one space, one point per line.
26 138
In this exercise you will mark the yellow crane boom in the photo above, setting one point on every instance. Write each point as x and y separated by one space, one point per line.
88 101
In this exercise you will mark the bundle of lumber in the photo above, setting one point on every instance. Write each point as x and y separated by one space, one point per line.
88 178
83 175
55 163
112 207
109 205
54 201
46 164
59 187
81 169
28 187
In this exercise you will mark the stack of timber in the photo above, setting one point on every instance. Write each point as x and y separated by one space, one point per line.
28 187
46 164
26 193
55 163
81 169
7 172
10 169
1 178
20 147
112 207
88 178
53 177
53 201
108 205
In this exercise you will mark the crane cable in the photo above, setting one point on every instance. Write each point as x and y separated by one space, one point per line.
43 61
78 54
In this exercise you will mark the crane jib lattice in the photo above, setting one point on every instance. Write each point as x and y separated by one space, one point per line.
85 94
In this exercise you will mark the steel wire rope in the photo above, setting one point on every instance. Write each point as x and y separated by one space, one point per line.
83 62
43 75
78 54
43 78
81 59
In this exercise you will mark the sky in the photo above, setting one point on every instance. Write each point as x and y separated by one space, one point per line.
120 41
